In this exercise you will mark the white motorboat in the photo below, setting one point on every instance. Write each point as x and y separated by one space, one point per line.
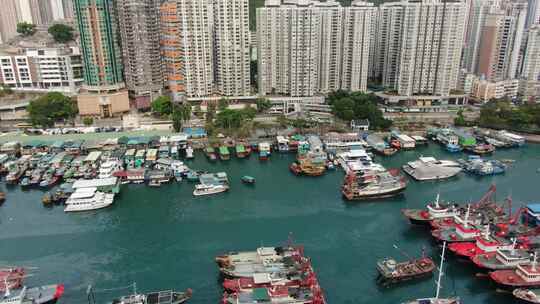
86 199
203 189
429 168
189 152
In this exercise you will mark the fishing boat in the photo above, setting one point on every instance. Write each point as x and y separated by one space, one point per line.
211 153
192 176
521 276
391 271
481 149
49 181
484 243
453 148
502 259
241 151
295 168
47 199
437 299
204 189
264 151
154 183
527 295
379 145
25 182
259 256
224 153
434 210
266 280
278 294
282 144
478 166
246 179
86 199
14 175
373 185
159 297
11 278
36 295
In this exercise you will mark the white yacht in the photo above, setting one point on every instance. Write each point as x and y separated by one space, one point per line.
358 161
203 189
107 169
429 168
86 199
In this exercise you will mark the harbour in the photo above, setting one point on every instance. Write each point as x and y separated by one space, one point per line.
170 232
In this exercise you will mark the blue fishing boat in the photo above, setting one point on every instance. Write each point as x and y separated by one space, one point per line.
453 148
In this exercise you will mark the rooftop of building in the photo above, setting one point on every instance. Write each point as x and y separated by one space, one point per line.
41 39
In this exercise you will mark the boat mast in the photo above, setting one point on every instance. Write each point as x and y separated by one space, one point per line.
440 271
467 216
437 201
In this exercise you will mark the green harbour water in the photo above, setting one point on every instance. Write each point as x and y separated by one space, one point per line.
164 238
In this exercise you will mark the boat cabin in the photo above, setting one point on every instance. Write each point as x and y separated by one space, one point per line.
512 257
529 273
466 231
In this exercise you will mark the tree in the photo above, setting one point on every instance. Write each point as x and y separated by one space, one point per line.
460 119
177 120
223 104
357 105
210 112
50 108
234 119
61 33
162 105
185 111
26 28
88 121
263 104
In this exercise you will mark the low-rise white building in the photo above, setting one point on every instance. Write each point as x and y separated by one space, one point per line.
41 69
487 90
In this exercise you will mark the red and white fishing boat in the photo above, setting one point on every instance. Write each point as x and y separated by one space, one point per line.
502 259
484 243
522 276
11 278
433 211
265 280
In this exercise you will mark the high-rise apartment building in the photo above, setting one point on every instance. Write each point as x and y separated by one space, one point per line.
140 35
500 42
187 47
358 34
231 44
100 46
8 20
478 11
533 13
421 44
310 47
530 77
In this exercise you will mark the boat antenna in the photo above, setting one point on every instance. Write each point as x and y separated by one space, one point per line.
437 201
534 261
134 288
514 241
440 271
7 293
